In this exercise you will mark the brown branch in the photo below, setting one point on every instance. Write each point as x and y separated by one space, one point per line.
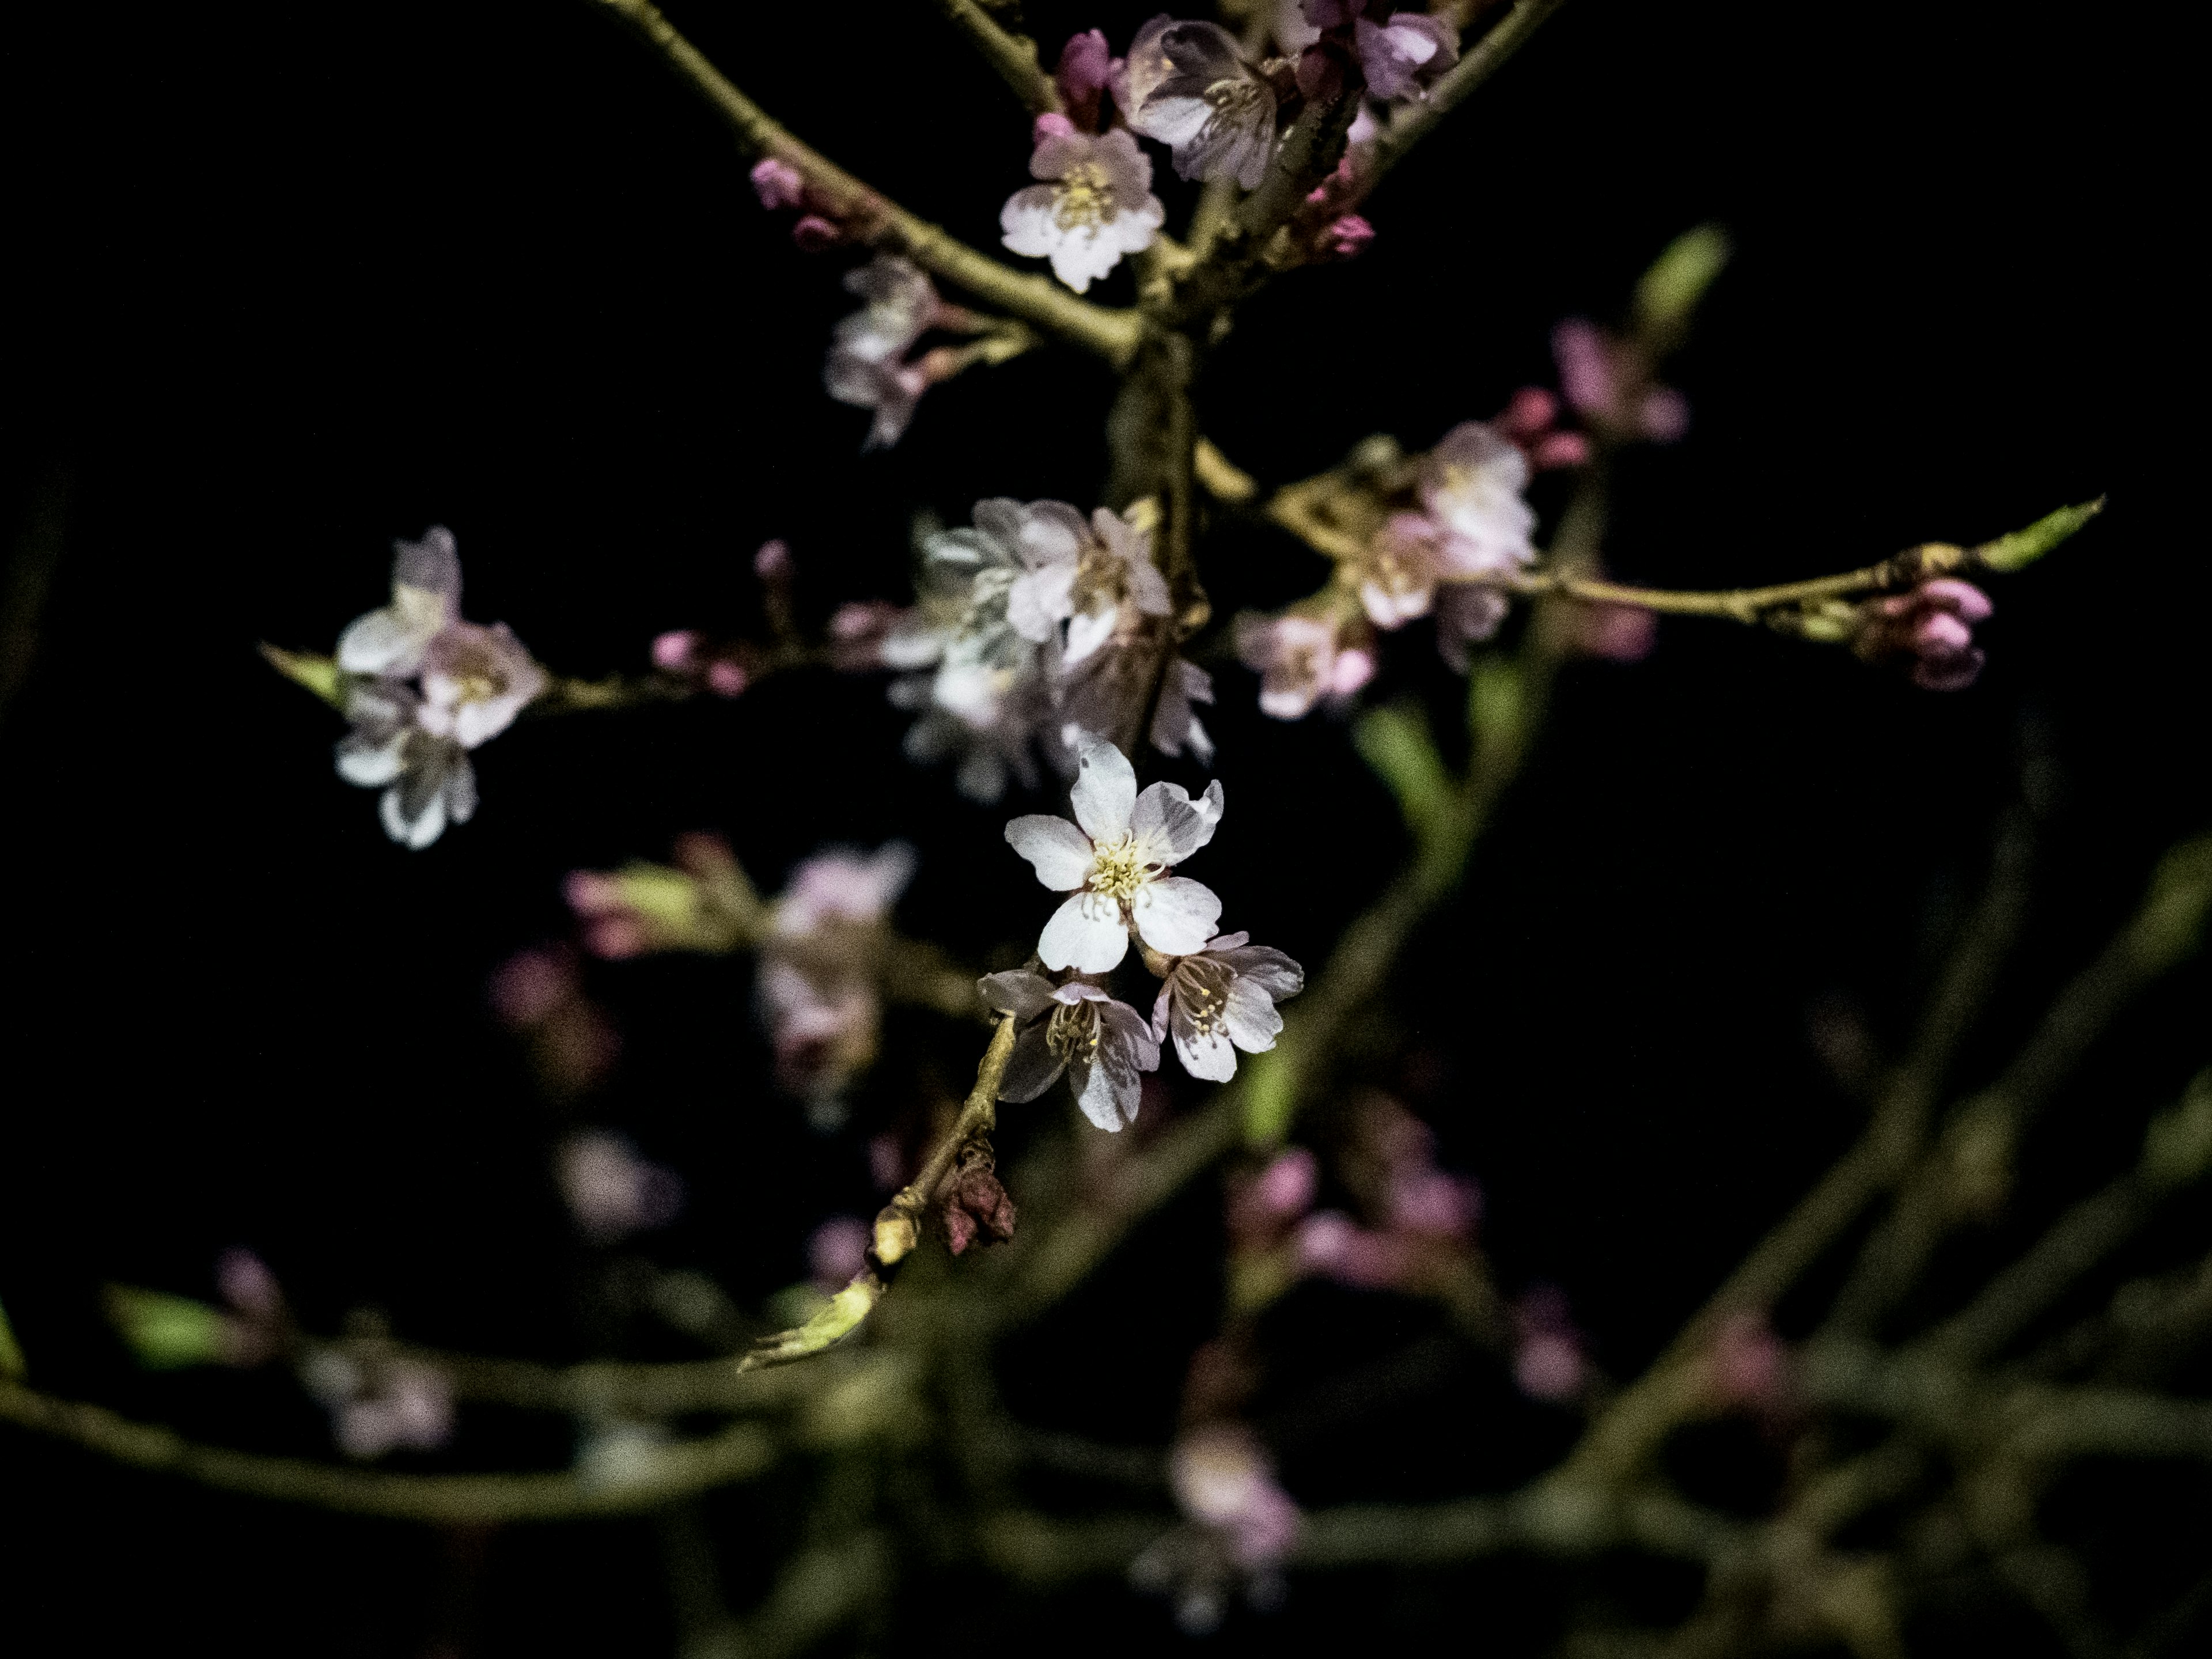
876 220
1014 56
738 1453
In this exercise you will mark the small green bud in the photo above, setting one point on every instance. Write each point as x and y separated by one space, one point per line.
321 675
11 1352
1395 741
168 1333
2178 1146
1669 293
2024 547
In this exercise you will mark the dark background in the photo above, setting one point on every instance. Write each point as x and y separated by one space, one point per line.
286 284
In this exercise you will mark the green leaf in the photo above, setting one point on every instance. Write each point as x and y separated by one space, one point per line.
1669 291
1396 742
168 1333
11 1352
2024 547
321 675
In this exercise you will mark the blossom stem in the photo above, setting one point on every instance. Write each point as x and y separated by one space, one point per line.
1414 123
873 218
898 1224
1014 56
738 1453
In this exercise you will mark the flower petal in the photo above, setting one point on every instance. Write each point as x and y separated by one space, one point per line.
1017 992
1104 792
1264 966
1028 223
1056 849
1174 916
387 642
1086 933
1032 1068
1170 825
1205 1054
1249 1018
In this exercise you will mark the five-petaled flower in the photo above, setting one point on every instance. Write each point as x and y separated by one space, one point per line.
1115 866
868 366
1095 205
1188 87
1102 1045
1225 995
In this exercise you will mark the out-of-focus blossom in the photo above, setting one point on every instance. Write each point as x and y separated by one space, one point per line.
1344 237
821 966
1608 382
867 365
1224 1479
1471 485
613 1192
1928 631
1095 206
1115 862
727 669
537 994
857 632
1401 53
380 1403
1176 725
1748 1366
1423 1199
1466 614
1225 995
1303 659
1530 419
610 1456
1102 1045
1332 1245
1084 71
1261 1208
1192 90
1548 1363
777 184
430 687
1613 632
836 1251
703 902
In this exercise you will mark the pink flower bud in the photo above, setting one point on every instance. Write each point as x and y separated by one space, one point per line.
1557 449
1354 667
1548 1365
676 650
1286 1188
1529 415
816 235
777 184
773 563
1664 415
1050 125
247 1285
594 893
727 680
1344 237
1087 68
615 938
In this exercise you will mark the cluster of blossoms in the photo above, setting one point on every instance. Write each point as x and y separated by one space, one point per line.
823 945
424 688
1217 993
1033 625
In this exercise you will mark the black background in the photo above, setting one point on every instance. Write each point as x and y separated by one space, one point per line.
288 282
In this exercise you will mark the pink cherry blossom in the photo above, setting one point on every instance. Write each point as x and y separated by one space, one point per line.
1930 630
1303 658
1095 206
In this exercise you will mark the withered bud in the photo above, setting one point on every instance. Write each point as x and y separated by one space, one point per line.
977 1205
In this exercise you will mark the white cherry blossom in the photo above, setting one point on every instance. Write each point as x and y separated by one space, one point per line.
1225 995
1095 205
1471 484
1190 88
1113 863
1102 1045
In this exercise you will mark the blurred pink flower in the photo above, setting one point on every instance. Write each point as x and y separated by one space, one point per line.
380 1403
1224 1479
1303 660
1260 1208
613 1192
1084 71
1930 630
836 1251
1608 382
1549 1362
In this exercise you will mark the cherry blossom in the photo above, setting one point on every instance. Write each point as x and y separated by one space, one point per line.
1609 381
1095 205
821 966
1188 87
1471 484
1302 659
610 1190
1223 1480
380 1403
867 365
1115 865
1225 995
1929 630
1102 1045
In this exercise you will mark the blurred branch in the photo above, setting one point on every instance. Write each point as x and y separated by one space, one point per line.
736 1453
1014 56
879 222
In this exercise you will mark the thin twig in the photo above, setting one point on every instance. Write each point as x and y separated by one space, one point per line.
1014 56
880 223
1414 123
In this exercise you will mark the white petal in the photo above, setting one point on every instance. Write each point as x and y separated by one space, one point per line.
1171 826
386 641
460 791
424 829
1099 1092
1261 965
1032 1068
1086 633
1104 792
1209 1057
431 566
1027 222
1173 120
1037 601
1086 933
1175 916
1249 1018
1127 1034
371 765
1056 849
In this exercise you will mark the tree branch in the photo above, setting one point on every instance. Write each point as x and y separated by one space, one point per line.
1415 121
875 219
1014 56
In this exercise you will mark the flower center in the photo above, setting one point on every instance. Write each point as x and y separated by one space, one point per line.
1203 988
1119 869
1072 1033
1086 197
1234 100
